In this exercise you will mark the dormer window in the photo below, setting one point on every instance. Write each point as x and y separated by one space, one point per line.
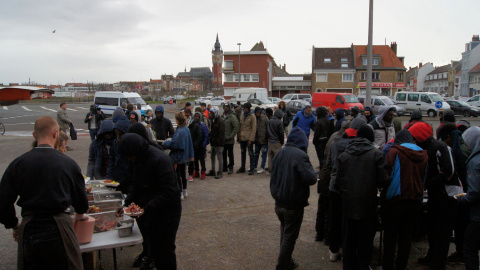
327 60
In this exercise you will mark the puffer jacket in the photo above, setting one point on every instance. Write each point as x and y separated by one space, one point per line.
205 135
360 173
304 121
472 138
181 146
155 184
196 132
247 127
217 133
261 135
231 127
96 155
292 173
275 128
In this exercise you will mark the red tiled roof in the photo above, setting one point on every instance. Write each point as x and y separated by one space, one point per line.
475 68
155 81
389 59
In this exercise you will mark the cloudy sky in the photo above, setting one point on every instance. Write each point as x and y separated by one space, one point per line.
113 40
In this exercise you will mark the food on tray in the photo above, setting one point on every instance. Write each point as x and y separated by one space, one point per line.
461 194
94 209
111 183
133 210
89 189
103 224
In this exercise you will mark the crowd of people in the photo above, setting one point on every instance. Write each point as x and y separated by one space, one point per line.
372 175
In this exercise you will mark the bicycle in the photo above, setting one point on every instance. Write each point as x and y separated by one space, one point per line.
2 128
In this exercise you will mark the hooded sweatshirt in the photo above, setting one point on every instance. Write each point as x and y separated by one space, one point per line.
118 114
162 126
101 157
261 134
140 129
472 138
275 128
323 129
196 131
384 132
372 115
292 173
340 116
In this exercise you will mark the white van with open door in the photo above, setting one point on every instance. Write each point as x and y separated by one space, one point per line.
109 101
244 94
427 102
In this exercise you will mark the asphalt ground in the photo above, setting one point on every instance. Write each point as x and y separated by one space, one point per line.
226 223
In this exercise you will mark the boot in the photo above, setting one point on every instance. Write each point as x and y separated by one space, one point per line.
219 175
204 175
211 173
195 174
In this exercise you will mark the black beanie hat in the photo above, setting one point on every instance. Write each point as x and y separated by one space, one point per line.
366 132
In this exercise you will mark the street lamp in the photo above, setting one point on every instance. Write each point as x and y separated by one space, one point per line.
239 76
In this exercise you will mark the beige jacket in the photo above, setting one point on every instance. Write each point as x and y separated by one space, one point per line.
247 128
62 119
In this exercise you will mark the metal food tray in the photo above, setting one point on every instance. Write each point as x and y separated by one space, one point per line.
106 205
112 196
99 186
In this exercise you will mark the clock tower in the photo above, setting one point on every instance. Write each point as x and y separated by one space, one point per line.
217 60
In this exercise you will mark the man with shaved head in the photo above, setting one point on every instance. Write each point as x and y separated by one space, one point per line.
46 183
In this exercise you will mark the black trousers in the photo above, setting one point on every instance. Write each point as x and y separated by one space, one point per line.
440 220
290 223
398 219
162 230
460 227
320 149
228 150
43 245
322 222
199 155
472 245
142 226
182 175
358 243
335 210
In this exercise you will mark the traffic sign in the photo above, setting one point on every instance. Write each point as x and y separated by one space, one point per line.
170 102
438 104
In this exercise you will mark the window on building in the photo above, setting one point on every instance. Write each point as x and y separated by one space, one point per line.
347 77
237 77
322 77
255 78
375 75
327 60
229 77
400 77
365 61
246 77
375 61
363 76
434 76
344 60
228 65
344 65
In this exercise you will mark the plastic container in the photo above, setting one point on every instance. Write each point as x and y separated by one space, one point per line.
84 230
105 221
125 228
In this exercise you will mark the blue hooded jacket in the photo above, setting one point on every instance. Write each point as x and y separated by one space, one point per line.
304 121
122 125
181 146
95 156
340 115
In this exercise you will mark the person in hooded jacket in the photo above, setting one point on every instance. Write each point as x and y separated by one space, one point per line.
354 112
261 140
415 117
161 125
94 119
340 116
442 184
287 115
406 163
101 157
291 177
472 199
360 173
246 136
231 130
217 141
157 193
198 149
121 169
305 120
383 126
118 114
368 113
276 136
181 147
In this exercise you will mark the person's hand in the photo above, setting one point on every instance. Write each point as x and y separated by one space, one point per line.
142 211
80 216
149 126
90 117
119 212
16 232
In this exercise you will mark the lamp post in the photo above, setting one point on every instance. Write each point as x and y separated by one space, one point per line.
369 56
239 75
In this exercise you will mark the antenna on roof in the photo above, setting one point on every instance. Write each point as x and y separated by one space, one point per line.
385 41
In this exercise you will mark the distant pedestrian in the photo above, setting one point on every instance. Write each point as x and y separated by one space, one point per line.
94 119
130 108
63 121
62 143
305 120
261 140
217 141
238 110
231 130
415 117
354 112
246 136
290 181
368 113
200 141
269 113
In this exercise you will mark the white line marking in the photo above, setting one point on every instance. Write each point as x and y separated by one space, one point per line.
45 108
82 108
16 124
73 110
26 109
5 108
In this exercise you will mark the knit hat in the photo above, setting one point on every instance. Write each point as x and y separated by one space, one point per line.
355 109
421 131
258 109
133 115
366 132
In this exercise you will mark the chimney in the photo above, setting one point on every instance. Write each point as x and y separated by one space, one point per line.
475 38
393 45
284 67
420 65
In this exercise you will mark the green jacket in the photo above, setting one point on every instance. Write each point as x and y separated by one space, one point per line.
231 127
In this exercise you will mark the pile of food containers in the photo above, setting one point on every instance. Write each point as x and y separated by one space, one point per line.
103 201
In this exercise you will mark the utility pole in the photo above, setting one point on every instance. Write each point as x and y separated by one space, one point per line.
239 75
368 96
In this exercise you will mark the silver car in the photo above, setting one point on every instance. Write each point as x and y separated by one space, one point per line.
382 101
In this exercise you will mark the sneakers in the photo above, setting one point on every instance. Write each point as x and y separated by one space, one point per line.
185 193
211 173
455 258
293 264
334 256
69 148
190 178
140 259
251 172
181 196
230 171
219 175
260 171
196 174
203 176
149 264
241 170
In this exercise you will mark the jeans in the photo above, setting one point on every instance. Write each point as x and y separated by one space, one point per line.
93 134
290 223
335 211
218 152
398 219
322 222
162 230
273 148
244 146
228 150
43 245
472 245
264 149
440 220
182 175
358 243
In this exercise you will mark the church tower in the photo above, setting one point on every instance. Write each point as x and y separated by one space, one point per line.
217 60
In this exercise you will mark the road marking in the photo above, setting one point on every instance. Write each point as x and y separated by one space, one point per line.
16 124
5 108
26 109
45 108
13 117
73 110
82 108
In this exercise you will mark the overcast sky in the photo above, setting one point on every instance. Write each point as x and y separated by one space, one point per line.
113 40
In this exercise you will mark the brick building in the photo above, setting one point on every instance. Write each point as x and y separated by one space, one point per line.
333 70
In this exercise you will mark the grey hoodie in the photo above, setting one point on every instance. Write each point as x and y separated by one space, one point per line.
275 128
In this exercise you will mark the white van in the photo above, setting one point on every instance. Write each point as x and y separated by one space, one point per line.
290 97
423 101
244 94
109 101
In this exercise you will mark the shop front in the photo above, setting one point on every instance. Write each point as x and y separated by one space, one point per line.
381 88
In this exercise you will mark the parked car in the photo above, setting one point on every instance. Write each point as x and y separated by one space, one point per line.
201 100
274 99
295 106
474 101
463 108
216 101
262 103
290 97
167 100
382 101
423 101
